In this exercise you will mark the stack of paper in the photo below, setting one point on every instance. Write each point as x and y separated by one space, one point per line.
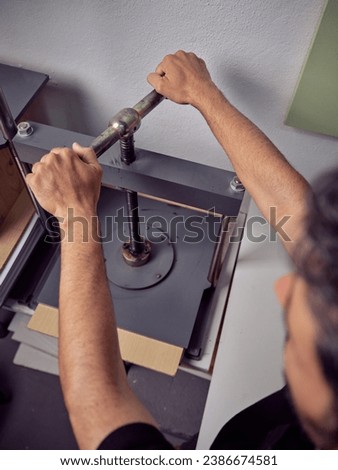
37 350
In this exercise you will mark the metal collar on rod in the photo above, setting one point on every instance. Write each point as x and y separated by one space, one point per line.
125 123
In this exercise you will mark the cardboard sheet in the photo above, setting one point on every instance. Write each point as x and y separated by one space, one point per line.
138 349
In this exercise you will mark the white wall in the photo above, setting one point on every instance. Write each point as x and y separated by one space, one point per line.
98 53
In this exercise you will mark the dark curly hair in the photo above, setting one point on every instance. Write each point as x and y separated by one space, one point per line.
317 263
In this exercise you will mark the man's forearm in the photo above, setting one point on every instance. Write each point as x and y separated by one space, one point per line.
83 293
266 174
91 370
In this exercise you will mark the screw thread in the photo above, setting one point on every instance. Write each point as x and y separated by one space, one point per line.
127 150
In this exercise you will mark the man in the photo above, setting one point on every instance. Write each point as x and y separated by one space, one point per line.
103 410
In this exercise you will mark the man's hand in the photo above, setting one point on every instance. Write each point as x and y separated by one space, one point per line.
67 178
182 77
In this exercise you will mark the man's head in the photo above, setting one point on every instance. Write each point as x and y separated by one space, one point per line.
310 300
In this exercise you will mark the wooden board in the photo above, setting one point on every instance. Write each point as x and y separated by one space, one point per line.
14 225
137 349
178 204
11 183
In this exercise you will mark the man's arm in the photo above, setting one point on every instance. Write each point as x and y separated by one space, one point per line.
93 379
266 174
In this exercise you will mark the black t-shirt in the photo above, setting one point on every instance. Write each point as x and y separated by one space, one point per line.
137 436
268 424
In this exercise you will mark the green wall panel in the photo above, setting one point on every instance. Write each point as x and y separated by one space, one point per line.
315 103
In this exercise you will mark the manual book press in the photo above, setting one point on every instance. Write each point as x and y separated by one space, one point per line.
166 225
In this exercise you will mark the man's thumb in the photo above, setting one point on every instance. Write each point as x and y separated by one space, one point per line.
86 154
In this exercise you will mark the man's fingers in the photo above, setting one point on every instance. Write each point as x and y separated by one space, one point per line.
160 69
155 80
87 154
28 178
35 167
58 150
32 181
48 156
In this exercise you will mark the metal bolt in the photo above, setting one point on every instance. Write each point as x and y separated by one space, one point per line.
158 276
24 129
236 185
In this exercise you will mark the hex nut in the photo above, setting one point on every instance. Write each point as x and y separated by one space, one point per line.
24 129
236 185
